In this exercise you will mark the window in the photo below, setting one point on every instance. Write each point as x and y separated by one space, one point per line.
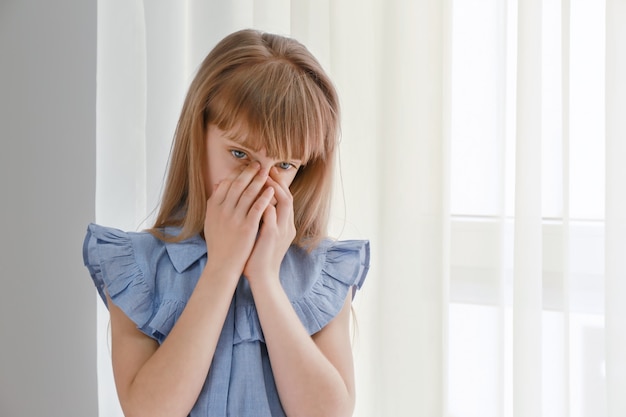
482 203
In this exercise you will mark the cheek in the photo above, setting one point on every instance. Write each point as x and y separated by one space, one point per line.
219 170
291 177
289 181
214 174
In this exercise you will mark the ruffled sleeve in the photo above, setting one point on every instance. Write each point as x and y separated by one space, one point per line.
316 283
344 268
110 258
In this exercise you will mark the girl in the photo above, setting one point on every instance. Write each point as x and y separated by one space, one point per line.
235 303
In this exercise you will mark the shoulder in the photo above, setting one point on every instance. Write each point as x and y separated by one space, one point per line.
318 282
147 278
344 261
106 244
102 243
113 256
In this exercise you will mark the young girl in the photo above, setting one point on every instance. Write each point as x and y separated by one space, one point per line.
235 303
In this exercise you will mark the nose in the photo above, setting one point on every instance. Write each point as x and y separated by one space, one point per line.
266 165
265 162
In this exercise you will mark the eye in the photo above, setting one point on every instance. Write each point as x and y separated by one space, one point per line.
285 165
238 154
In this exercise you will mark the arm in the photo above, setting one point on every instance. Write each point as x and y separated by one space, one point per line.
166 380
314 375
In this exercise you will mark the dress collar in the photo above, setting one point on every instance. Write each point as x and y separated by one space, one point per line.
185 253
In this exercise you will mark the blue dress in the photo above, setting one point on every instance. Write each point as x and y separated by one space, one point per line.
151 281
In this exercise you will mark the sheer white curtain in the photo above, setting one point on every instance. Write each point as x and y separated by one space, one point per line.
615 206
482 153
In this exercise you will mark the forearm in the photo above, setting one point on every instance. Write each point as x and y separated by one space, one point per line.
170 380
307 381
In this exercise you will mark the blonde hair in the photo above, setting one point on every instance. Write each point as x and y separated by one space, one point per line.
271 93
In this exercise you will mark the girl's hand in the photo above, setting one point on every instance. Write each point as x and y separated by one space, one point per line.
232 218
276 234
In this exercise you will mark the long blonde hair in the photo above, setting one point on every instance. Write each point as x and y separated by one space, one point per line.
273 94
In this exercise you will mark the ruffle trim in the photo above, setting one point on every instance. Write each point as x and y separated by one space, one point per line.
167 313
345 267
110 258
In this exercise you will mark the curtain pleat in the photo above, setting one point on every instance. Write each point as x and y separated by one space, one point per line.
167 77
565 170
312 24
501 291
527 285
566 235
353 61
411 246
615 226
273 15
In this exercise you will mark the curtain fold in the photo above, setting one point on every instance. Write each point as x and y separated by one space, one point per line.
412 243
615 267
527 286
353 58
565 196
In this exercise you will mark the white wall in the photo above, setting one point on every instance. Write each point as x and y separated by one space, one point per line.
47 187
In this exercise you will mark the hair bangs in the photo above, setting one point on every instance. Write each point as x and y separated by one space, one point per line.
276 106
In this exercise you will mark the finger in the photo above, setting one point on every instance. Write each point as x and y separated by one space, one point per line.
240 183
273 174
219 191
253 190
282 192
269 215
261 204
284 200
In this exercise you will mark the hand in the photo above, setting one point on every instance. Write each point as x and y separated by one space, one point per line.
276 233
232 217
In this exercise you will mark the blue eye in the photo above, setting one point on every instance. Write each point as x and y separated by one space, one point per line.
284 165
238 154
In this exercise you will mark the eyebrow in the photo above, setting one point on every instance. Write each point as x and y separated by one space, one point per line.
234 144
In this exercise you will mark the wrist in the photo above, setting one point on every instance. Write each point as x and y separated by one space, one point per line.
264 282
223 271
